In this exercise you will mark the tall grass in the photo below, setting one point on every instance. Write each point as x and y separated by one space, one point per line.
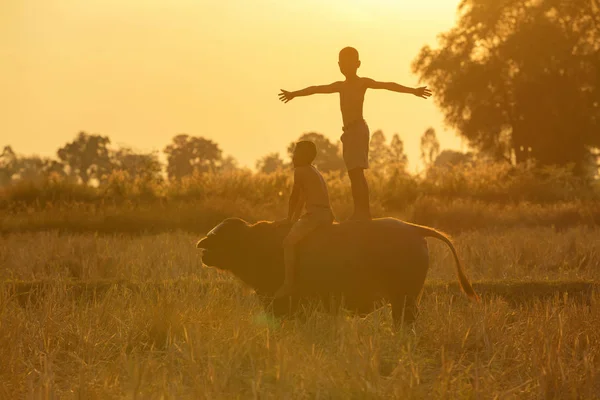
214 341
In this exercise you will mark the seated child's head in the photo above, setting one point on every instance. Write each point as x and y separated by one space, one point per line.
304 153
349 61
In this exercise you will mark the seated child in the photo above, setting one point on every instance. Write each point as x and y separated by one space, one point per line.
309 189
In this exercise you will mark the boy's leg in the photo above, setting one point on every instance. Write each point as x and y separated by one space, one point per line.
356 157
360 194
299 230
288 259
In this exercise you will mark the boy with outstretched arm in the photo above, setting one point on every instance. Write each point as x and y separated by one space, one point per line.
309 190
355 137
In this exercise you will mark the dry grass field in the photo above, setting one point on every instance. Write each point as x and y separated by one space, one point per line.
103 295
95 316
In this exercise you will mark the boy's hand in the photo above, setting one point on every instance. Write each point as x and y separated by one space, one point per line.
422 92
286 96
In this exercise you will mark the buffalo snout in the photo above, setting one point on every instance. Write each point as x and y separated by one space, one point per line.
202 243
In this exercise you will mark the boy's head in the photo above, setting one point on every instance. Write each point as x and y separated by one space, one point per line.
304 153
349 61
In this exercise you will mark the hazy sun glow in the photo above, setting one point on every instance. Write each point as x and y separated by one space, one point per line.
142 71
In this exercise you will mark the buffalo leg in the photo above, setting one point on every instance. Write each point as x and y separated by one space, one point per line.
284 306
404 310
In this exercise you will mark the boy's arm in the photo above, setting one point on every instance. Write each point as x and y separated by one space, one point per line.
299 207
422 92
295 199
286 96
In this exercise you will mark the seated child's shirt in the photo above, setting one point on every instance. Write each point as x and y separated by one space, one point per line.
313 187
318 209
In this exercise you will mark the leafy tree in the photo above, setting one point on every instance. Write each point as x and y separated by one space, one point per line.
13 166
137 165
270 163
449 158
7 165
227 164
30 168
519 79
380 154
385 158
398 155
53 167
189 154
87 157
328 154
430 147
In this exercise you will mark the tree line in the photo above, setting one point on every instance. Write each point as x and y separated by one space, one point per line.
90 158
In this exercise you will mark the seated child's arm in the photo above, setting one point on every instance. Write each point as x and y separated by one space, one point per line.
422 92
295 199
286 96
299 206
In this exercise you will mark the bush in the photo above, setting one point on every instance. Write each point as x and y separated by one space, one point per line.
506 183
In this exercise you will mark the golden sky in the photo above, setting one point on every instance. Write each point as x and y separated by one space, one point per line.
141 71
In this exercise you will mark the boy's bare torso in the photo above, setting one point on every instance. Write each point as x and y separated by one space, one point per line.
352 95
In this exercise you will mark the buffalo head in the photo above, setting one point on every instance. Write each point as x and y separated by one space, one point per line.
235 241
253 252
222 245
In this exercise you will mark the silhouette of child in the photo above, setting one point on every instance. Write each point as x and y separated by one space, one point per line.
355 137
309 189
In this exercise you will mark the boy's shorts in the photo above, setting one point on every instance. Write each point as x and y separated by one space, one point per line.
308 222
355 145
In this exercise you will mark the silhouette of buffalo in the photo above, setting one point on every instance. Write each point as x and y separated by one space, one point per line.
362 262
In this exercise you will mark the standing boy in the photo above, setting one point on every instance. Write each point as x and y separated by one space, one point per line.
309 189
355 138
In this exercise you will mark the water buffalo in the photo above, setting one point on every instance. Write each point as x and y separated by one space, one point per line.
362 262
